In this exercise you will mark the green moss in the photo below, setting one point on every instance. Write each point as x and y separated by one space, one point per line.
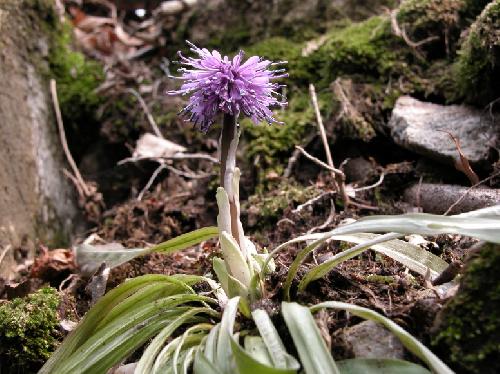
273 143
382 279
478 65
268 207
361 49
28 330
469 332
77 79
422 19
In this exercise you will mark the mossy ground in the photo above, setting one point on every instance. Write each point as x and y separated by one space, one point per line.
469 332
269 206
28 331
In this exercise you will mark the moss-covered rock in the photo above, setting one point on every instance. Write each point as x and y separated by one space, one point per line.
437 19
28 331
77 78
478 66
469 325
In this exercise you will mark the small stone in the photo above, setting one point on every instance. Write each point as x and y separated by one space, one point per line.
371 340
421 127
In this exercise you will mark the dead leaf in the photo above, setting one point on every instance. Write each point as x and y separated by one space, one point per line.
152 146
463 165
50 263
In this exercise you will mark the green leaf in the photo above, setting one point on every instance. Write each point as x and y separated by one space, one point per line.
412 256
186 240
220 269
173 356
117 339
202 365
279 356
313 353
250 364
89 322
294 267
483 224
412 344
223 358
145 364
211 343
168 361
379 366
236 263
256 349
90 257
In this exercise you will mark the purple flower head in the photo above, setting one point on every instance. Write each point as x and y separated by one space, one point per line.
218 84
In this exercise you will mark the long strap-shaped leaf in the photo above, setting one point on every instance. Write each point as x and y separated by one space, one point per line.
412 344
108 341
87 325
90 257
483 224
145 365
272 340
313 353
412 256
223 358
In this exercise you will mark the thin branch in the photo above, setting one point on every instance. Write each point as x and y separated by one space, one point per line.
376 184
295 156
469 190
312 201
145 108
64 143
177 156
187 174
325 224
321 127
402 34
338 175
150 181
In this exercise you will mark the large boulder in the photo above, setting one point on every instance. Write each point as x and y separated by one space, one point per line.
36 201
425 127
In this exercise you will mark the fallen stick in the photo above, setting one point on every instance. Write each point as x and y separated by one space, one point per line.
445 198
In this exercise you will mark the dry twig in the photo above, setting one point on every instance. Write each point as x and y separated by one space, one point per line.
337 174
401 33
145 108
90 199
62 135
469 190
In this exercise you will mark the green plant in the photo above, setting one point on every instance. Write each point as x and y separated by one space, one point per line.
28 330
188 330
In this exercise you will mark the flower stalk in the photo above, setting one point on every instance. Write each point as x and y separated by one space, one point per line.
219 85
228 145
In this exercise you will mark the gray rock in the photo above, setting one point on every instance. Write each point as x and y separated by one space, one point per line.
371 340
418 126
36 200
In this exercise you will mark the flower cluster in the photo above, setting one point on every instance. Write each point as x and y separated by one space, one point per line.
219 84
